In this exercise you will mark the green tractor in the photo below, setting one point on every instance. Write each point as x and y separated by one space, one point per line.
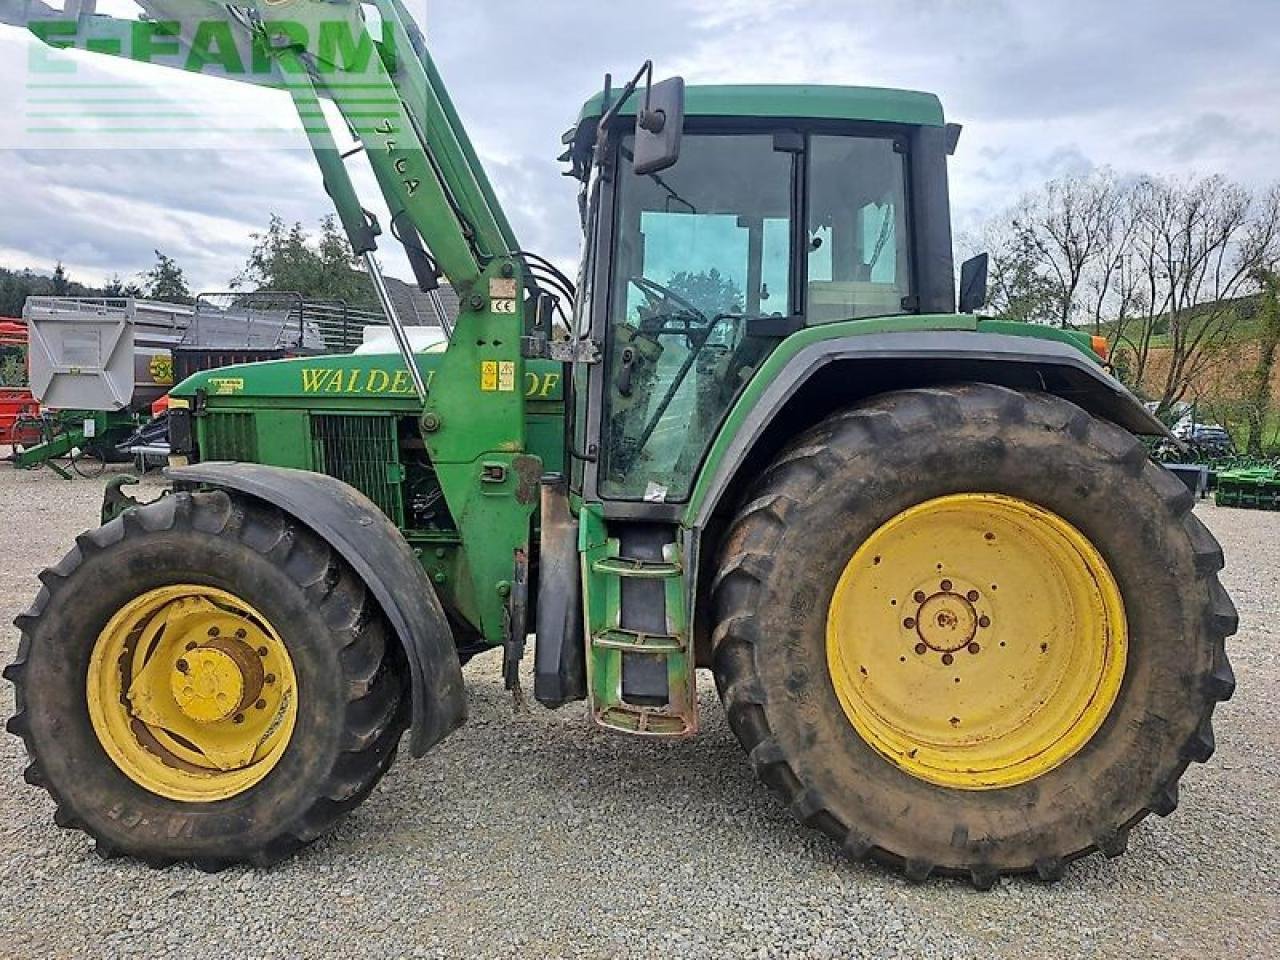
754 437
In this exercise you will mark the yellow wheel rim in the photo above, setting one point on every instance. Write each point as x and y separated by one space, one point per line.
192 693
977 641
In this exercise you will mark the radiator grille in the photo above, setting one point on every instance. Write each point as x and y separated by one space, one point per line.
230 436
361 451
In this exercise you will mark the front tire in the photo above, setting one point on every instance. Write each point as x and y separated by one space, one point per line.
856 714
206 680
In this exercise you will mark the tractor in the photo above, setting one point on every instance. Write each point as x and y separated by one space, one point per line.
958 619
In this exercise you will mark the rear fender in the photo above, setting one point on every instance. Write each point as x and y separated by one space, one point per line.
366 539
831 373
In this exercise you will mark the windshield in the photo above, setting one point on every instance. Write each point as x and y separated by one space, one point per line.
702 248
702 289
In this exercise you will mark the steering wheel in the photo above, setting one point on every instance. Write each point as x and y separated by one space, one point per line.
657 295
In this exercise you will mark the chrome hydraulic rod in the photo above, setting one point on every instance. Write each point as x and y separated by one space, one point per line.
397 325
438 305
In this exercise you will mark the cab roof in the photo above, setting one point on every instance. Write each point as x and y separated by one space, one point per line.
807 102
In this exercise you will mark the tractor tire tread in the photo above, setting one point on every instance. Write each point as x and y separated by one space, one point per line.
790 480
376 709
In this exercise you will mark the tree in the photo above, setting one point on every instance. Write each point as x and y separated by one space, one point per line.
1261 403
60 284
13 367
166 281
115 288
1015 287
14 290
1062 231
17 285
1197 248
1160 266
286 260
709 290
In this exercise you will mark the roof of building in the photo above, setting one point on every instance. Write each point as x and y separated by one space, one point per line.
415 307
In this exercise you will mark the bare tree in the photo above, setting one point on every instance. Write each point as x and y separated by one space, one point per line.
1158 265
1198 246
1111 284
1064 229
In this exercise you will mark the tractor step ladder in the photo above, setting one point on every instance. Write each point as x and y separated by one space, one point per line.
640 657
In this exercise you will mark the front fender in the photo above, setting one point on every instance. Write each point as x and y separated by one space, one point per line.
364 537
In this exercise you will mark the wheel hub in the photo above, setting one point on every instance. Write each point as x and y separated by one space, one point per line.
946 622
207 685
216 680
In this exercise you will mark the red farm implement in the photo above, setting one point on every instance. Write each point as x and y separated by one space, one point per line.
19 410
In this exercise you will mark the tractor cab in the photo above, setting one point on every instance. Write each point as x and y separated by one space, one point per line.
777 208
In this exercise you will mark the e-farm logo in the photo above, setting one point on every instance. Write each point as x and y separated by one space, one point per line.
306 48
334 48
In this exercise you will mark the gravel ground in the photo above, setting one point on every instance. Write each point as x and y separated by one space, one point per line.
534 835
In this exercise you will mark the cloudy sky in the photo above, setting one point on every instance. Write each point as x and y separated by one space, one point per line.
1043 87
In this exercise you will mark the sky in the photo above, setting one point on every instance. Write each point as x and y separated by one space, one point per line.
1044 88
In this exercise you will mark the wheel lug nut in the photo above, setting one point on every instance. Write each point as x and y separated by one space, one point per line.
260 705
909 623
920 597
946 586
262 651
948 659
241 634
239 718
921 649
972 596
270 678
974 648
183 666
984 622
191 646
213 631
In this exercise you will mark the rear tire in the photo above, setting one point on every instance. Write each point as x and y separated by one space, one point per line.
842 482
349 693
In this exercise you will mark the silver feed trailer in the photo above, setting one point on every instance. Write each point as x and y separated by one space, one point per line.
102 355
97 366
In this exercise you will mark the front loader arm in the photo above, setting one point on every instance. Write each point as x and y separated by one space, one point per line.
443 209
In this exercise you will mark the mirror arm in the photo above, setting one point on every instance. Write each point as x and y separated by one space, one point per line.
615 108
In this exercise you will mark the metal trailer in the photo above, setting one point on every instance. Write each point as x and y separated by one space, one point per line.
102 354
100 364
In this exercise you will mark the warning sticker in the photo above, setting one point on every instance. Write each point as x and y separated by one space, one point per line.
503 288
226 386
506 376
489 376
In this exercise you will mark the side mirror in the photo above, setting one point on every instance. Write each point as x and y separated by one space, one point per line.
973 283
660 127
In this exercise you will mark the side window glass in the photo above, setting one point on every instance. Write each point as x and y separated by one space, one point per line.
858 259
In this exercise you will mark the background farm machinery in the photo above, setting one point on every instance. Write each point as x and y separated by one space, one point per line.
100 369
